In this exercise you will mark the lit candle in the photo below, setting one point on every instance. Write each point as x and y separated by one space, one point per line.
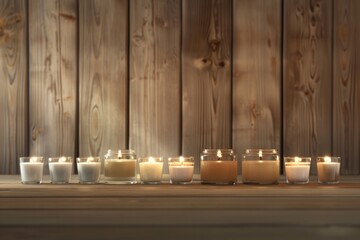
181 170
297 169
120 167
151 170
218 167
89 170
260 166
60 169
328 169
31 170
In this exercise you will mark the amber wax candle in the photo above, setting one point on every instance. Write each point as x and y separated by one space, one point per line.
218 166
260 166
120 167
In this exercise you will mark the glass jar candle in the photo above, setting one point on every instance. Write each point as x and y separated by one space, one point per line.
151 170
260 166
218 166
181 169
88 169
120 167
328 169
31 170
297 169
60 169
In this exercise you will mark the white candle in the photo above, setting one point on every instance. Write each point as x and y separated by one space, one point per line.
181 173
151 171
60 172
31 172
328 172
297 172
89 172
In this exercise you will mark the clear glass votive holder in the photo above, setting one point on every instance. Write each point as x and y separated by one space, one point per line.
260 166
218 166
328 169
88 169
120 167
60 169
181 169
297 169
31 169
151 170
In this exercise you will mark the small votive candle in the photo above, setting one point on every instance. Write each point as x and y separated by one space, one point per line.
218 166
328 169
31 169
151 170
181 170
260 166
120 167
297 169
60 169
88 169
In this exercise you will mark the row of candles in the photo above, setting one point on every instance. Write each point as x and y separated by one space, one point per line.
218 166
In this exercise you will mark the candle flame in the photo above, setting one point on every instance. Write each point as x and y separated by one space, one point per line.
33 159
181 160
62 159
297 159
119 154
151 160
327 159
90 159
219 155
260 154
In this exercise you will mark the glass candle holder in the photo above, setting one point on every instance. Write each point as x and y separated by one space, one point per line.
328 169
297 169
151 170
260 166
218 166
31 170
60 169
88 169
181 170
120 167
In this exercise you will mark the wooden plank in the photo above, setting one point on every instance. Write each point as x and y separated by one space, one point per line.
13 85
206 76
155 113
53 77
256 75
307 116
346 104
103 76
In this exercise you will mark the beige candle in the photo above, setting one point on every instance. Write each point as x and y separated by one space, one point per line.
219 172
120 169
260 171
328 169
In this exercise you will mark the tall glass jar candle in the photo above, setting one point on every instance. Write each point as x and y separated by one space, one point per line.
260 166
120 167
218 166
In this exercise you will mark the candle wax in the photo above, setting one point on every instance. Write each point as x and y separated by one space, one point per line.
151 171
60 172
218 172
181 172
31 172
259 171
328 171
89 172
297 172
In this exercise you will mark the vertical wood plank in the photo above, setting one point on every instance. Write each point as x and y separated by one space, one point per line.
103 76
13 85
206 76
257 75
53 76
346 84
155 77
307 78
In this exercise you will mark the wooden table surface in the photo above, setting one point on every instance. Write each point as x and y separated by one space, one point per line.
165 211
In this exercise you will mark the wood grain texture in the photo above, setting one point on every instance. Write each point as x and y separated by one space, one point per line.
53 77
307 104
257 75
13 85
103 76
206 76
346 85
155 112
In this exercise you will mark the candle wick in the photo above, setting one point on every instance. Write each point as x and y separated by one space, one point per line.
260 158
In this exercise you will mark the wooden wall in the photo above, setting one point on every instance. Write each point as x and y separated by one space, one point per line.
171 77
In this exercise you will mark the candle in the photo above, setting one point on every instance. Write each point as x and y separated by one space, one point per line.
297 169
120 167
60 169
89 170
218 166
150 170
328 169
181 170
31 170
260 166
219 172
